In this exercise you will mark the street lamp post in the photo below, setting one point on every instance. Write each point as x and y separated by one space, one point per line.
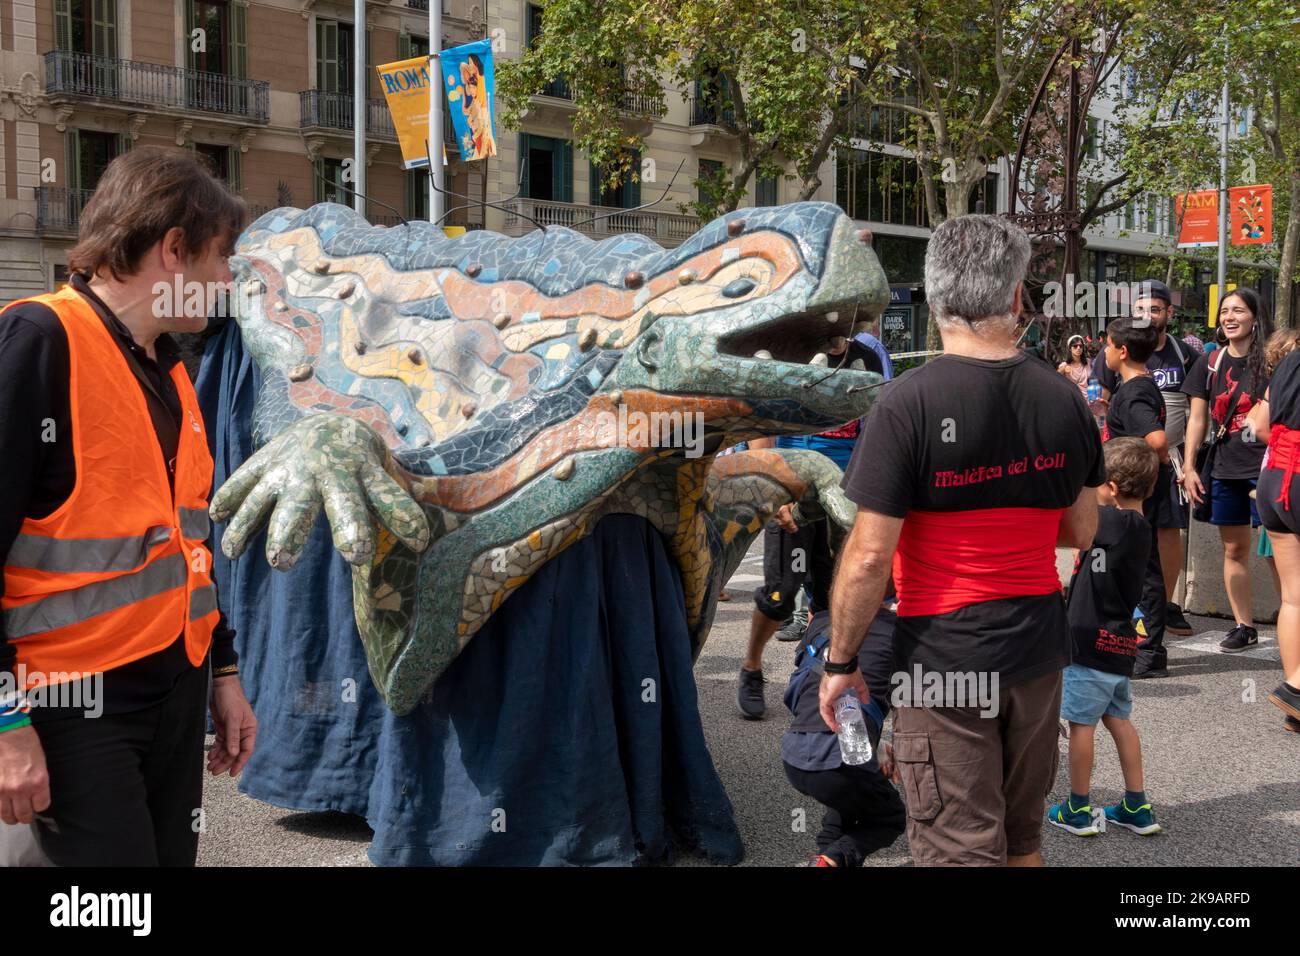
359 106
435 111
1224 121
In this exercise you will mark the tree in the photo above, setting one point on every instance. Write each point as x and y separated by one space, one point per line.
773 76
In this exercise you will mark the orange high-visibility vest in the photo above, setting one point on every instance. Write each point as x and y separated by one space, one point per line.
120 569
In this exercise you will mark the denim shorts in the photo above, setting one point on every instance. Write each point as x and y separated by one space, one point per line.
1089 695
1231 503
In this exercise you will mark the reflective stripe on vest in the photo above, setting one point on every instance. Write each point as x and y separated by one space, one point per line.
86 554
91 600
194 523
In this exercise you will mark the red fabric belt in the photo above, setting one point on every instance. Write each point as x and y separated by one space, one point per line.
1284 453
948 560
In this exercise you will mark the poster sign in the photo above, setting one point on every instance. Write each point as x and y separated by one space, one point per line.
406 88
1250 217
896 328
471 91
1199 219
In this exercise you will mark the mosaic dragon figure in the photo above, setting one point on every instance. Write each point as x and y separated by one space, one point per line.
454 404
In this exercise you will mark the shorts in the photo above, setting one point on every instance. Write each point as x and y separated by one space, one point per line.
976 787
791 559
1271 513
1231 503
1089 694
1166 508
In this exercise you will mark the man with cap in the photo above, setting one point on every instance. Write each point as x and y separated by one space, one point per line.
1168 366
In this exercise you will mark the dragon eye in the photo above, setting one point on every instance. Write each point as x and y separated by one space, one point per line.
738 287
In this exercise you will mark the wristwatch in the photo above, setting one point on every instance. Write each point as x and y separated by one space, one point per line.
846 668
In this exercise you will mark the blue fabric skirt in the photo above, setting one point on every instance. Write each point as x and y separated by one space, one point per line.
567 732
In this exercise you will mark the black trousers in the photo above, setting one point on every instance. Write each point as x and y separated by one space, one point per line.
864 813
1151 652
127 789
791 559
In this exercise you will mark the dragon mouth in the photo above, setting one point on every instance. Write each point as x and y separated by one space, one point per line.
801 338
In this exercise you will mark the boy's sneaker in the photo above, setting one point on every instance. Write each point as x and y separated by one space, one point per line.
1291 725
1286 700
1141 820
1238 639
1143 672
794 629
1081 821
750 697
1175 622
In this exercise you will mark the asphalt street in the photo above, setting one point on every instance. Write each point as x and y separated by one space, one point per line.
1222 773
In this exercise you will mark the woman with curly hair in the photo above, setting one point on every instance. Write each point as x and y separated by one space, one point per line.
1236 376
1278 503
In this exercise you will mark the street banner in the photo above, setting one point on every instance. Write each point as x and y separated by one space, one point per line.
1250 217
1251 214
471 91
406 88
1200 222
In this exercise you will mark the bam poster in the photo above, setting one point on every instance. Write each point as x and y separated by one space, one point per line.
471 90
1250 216
406 88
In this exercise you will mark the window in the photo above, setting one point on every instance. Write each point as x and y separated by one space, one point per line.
710 170
88 154
626 195
1091 141
1152 214
548 167
86 26
224 53
224 161
417 194
765 191
1130 214
329 182
880 188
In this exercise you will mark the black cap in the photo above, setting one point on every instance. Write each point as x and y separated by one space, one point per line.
1154 289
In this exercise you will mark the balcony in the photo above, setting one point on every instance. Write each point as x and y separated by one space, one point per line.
332 112
667 229
126 84
705 111
58 210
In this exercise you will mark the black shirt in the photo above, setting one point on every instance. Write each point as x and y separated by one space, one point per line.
1234 458
963 440
1284 392
1105 589
1136 409
1168 367
875 661
37 474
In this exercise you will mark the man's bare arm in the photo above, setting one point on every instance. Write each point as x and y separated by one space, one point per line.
1079 523
861 580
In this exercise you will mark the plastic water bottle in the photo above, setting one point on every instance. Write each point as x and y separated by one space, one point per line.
1094 390
855 743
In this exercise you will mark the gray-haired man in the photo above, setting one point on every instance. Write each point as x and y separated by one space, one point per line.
969 473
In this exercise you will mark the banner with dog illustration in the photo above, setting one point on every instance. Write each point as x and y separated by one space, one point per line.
471 90
406 87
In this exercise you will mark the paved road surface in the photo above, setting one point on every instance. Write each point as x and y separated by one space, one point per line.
1224 776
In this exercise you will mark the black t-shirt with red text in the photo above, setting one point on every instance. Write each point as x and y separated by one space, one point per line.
980 458
1136 410
1105 590
1235 457
1284 392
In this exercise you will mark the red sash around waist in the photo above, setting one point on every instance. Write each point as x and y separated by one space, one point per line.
1284 453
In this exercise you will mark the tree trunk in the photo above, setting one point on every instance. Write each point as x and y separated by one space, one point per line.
1284 316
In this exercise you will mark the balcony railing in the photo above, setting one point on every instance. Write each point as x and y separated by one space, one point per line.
558 88
58 209
83 75
668 229
334 111
705 111
647 99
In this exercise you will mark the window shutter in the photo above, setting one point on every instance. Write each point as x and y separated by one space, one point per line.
235 164
72 159
103 37
318 179
63 24
239 40
191 58
371 77
593 192
564 171
404 46
524 168
634 183
327 56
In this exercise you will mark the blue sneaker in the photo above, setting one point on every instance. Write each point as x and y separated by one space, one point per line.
1081 821
1141 820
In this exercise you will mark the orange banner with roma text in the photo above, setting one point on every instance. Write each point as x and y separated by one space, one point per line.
406 88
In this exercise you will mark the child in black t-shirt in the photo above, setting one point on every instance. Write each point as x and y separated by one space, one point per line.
1103 592
1137 410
